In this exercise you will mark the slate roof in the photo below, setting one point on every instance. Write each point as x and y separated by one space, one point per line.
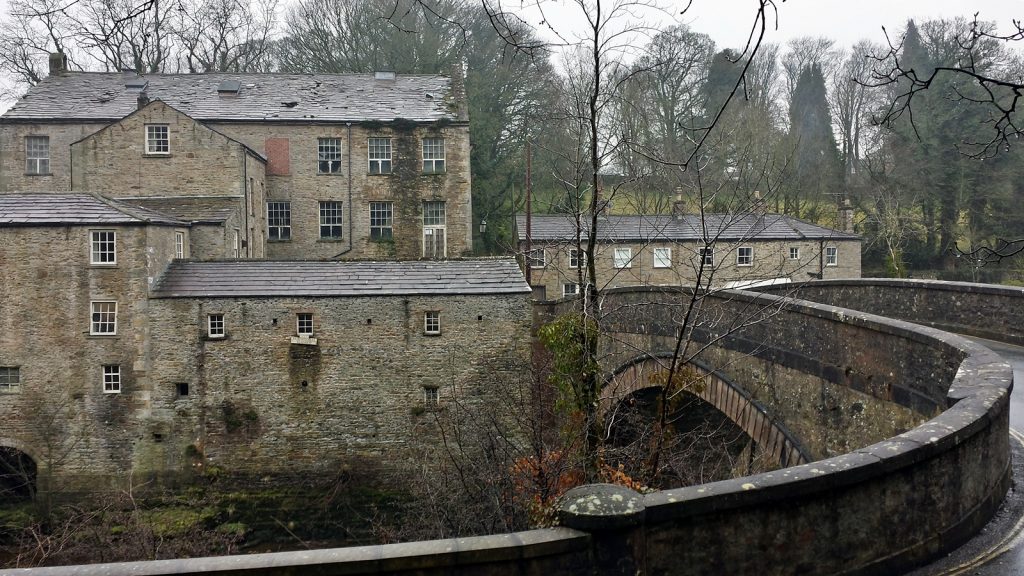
38 209
103 96
191 209
249 278
619 228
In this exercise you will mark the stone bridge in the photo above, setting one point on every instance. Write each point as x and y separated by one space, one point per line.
907 426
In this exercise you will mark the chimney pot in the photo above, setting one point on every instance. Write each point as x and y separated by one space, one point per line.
58 62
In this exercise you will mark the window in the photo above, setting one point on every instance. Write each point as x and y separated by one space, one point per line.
381 218
432 322
430 396
215 326
235 245
433 155
794 253
707 255
576 257
179 244
330 220
536 258
570 289
622 258
662 257
434 230
37 154
104 319
380 155
103 247
10 379
304 324
831 256
328 155
112 378
279 220
744 256
157 139
181 389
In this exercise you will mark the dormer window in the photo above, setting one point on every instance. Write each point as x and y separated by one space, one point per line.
158 139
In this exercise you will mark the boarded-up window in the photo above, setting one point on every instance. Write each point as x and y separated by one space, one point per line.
278 160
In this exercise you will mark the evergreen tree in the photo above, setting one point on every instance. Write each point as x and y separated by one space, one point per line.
816 174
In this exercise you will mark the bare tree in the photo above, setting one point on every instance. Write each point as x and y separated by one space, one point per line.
225 35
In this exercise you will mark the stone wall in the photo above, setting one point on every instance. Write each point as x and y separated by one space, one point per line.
12 154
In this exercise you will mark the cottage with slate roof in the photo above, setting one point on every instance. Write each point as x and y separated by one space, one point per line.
723 250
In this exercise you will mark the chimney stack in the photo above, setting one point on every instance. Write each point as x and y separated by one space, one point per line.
846 216
58 63
142 100
679 205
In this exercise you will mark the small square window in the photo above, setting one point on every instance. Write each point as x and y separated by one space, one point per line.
570 289
215 326
707 255
330 220
179 245
381 220
433 155
158 139
432 322
37 154
794 253
379 153
536 258
662 257
745 256
279 220
181 389
304 324
328 153
104 319
103 247
577 257
831 256
112 379
430 397
622 258
10 379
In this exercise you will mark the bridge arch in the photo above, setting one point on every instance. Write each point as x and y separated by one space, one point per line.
717 390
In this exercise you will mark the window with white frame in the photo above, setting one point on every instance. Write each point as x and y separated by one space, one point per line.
328 155
432 322
433 155
304 324
179 245
662 257
430 397
112 378
37 154
279 220
10 379
794 252
831 256
158 139
236 244
622 258
577 257
536 258
570 289
434 220
104 318
745 256
215 326
379 155
382 216
706 255
330 220
103 247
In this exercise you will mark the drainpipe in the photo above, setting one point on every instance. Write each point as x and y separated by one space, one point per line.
529 231
247 200
821 259
350 207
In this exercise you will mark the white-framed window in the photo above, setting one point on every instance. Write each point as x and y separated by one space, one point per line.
104 318
745 256
304 324
382 217
10 379
432 322
430 397
433 155
111 378
179 245
158 140
662 257
622 258
379 153
831 256
328 155
236 244
279 220
706 255
215 326
577 257
794 252
570 289
330 219
536 258
434 220
37 154
103 247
